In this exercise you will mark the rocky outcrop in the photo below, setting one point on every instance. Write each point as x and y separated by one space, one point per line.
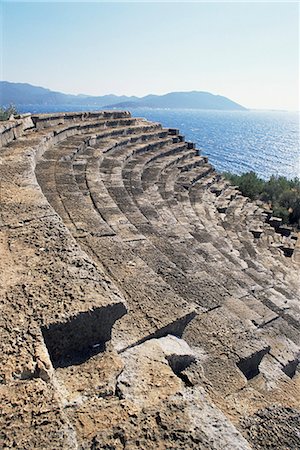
145 303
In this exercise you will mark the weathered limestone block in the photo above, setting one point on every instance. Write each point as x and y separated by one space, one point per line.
208 419
177 352
147 377
6 133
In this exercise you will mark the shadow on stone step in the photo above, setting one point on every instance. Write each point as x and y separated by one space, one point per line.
175 328
250 366
290 368
82 336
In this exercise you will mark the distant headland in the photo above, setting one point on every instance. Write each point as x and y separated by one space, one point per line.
27 94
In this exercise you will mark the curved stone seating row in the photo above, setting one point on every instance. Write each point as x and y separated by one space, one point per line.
158 235
87 221
123 215
142 222
263 281
155 180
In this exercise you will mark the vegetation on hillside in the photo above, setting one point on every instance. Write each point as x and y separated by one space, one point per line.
5 113
281 194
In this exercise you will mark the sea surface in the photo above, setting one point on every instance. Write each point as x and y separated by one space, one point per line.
266 142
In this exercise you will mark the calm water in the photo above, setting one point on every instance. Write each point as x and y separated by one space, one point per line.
239 141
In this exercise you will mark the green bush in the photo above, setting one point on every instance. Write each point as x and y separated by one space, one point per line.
249 184
281 194
5 113
291 201
274 188
279 211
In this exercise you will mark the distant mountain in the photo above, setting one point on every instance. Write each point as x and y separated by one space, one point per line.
26 94
184 100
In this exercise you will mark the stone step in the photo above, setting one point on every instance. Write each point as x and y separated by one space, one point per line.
154 307
42 121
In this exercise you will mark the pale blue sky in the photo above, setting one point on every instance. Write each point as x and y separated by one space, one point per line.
248 52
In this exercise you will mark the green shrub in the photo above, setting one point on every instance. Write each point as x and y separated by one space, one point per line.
279 211
249 184
281 194
274 188
5 113
291 201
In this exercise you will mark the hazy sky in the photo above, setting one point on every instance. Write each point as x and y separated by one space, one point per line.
248 52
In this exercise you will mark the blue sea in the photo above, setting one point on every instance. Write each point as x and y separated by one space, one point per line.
266 142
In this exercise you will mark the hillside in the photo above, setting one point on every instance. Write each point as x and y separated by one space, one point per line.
26 94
